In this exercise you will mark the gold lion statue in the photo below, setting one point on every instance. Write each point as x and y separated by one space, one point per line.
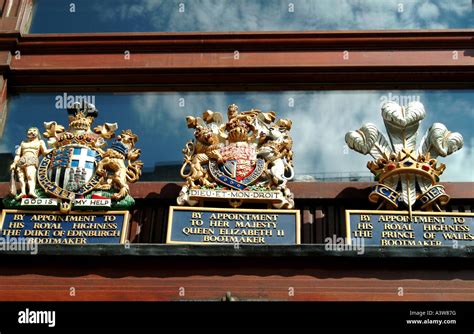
198 154
113 169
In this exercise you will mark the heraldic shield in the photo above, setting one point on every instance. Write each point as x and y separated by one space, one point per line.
69 171
72 167
77 162
249 158
241 166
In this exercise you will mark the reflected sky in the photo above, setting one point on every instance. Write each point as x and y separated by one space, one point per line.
85 16
320 121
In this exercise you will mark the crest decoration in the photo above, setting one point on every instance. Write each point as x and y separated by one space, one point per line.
249 157
76 162
407 175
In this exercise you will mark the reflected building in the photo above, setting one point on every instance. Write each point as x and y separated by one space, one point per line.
165 171
6 160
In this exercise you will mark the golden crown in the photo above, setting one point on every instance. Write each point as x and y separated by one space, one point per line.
405 162
80 121
238 134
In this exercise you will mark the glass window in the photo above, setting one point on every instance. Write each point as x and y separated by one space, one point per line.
320 122
86 16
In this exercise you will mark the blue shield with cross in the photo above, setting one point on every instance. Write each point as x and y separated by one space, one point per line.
72 166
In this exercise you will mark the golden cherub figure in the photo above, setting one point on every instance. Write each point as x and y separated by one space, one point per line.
26 162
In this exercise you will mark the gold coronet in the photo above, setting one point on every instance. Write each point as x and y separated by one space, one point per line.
80 121
238 134
406 163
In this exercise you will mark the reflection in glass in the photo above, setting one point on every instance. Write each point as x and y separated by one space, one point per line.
320 121
85 16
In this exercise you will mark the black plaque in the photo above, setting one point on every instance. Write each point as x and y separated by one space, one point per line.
398 228
49 227
196 225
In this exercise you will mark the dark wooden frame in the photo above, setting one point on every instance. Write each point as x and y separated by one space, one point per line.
267 61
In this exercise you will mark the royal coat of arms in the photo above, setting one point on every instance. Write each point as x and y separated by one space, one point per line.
78 162
407 176
247 158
